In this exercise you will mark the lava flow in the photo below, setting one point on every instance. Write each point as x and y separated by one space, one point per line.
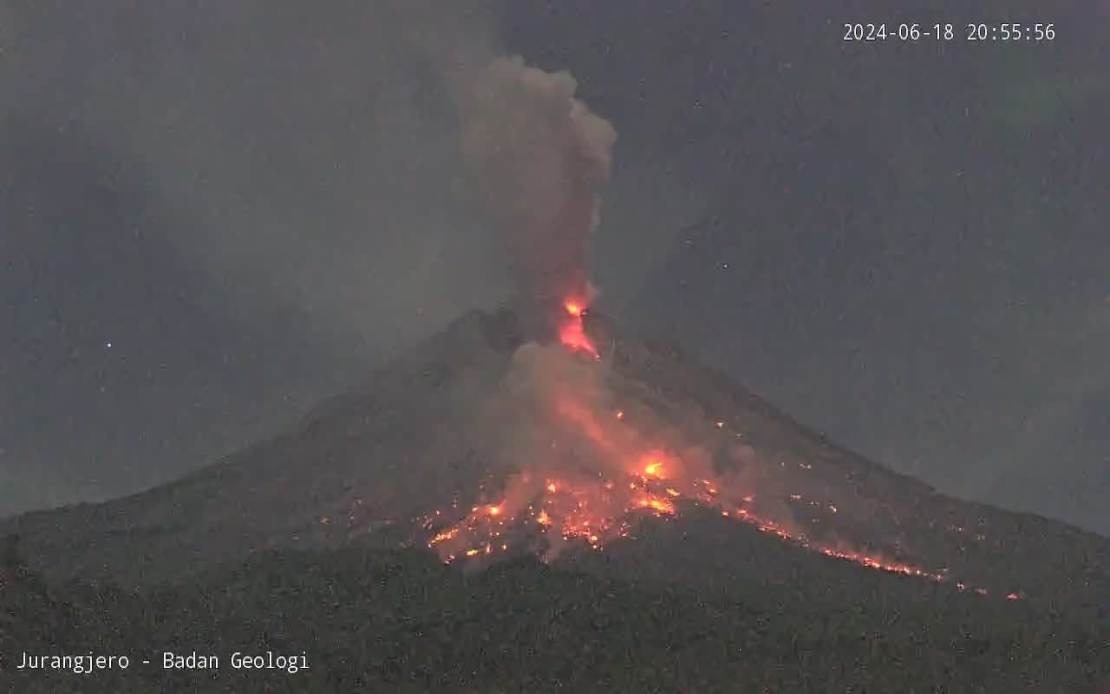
604 470
599 510
572 332
580 463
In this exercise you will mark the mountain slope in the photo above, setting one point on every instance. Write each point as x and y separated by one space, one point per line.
369 467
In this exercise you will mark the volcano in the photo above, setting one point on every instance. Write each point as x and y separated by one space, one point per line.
535 499
627 457
587 516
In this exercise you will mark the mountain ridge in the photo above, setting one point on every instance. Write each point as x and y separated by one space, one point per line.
360 467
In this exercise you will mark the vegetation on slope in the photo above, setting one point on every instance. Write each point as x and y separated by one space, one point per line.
400 621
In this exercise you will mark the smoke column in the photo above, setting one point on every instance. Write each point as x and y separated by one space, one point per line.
540 157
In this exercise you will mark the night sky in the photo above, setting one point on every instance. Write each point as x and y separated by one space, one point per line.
213 214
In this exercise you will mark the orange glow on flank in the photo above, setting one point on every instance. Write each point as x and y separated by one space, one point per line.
656 504
572 334
638 482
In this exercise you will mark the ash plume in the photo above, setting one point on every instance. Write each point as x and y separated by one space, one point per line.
540 157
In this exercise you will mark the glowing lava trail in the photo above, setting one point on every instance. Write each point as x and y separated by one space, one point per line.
584 469
597 511
572 333
619 474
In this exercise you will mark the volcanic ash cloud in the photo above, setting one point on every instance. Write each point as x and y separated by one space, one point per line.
540 156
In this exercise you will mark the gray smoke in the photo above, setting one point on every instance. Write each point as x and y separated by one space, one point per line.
540 157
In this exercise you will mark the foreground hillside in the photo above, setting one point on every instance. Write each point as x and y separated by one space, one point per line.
401 621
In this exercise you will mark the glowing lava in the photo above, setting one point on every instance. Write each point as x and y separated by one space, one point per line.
600 469
653 468
595 511
572 333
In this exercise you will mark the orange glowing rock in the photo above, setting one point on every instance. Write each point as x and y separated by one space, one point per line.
445 535
572 334
656 504
595 509
574 338
573 308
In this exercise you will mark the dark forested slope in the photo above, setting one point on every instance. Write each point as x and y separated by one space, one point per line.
401 621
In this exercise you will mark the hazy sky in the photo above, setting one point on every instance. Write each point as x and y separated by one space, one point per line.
214 213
